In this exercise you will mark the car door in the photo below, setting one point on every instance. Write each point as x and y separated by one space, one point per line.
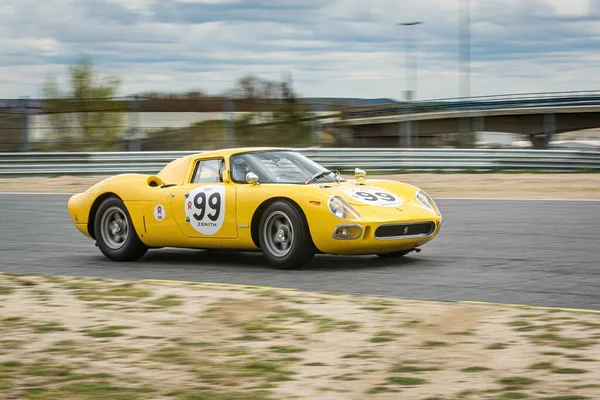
205 207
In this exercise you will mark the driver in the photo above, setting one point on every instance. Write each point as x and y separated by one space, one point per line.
240 169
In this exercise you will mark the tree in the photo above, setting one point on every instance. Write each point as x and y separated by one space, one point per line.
85 117
288 123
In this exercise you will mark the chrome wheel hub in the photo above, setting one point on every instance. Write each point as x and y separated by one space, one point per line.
114 228
278 234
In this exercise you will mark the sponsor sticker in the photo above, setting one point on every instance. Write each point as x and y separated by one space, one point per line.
205 208
159 212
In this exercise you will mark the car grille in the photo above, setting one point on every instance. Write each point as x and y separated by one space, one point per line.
405 230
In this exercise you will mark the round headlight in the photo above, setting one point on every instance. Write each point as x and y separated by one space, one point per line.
341 209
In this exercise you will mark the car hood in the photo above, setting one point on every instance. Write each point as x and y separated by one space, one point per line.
348 189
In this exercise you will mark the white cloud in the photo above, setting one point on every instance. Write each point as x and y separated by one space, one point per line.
332 48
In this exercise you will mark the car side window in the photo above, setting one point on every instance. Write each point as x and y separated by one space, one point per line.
208 171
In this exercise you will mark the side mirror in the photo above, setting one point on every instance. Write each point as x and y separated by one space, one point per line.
359 174
154 181
252 178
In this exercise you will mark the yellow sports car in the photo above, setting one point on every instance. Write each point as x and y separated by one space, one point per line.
271 199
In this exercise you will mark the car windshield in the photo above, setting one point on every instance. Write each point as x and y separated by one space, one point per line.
278 166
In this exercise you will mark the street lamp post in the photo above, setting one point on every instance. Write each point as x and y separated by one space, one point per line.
464 66
465 48
411 76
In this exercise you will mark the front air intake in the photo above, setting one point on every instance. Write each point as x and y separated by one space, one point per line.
402 231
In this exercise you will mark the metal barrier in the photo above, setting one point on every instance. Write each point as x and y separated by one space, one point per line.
344 159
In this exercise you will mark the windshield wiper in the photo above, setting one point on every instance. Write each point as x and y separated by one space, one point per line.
317 176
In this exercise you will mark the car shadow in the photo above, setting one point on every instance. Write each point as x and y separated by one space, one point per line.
228 258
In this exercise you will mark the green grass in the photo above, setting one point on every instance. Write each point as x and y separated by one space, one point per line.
569 371
323 324
106 331
414 323
567 397
588 386
208 394
560 341
4 290
249 338
363 355
49 327
345 377
404 367
315 364
167 301
259 326
286 349
46 368
429 344
127 292
88 390
512 396
268 370
172 355
516 381
497 346
475 369
407 380
542 365
552 353
383 336
377 390
519 323
68 347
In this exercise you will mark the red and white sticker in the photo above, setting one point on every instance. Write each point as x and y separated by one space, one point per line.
374 197
159 212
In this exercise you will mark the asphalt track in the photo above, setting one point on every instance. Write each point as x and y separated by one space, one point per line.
534 252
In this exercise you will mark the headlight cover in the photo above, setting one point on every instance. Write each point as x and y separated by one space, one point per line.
341 209
426 201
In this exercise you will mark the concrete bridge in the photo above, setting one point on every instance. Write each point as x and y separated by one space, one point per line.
425 128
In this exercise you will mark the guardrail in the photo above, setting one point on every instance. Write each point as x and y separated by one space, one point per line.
344 159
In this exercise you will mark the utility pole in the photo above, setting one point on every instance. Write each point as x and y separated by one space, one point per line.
465 125
465 48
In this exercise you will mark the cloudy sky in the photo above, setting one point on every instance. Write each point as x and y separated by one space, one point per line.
331 47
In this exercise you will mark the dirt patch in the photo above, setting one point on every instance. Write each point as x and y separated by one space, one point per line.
493 185
63 337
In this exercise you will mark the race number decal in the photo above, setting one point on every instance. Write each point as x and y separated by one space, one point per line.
159 212
205 208
374 197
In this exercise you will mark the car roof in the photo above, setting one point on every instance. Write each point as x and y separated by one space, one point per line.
175 171
232 151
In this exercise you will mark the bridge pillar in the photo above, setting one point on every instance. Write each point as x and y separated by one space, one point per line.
541 141
24 146
466 136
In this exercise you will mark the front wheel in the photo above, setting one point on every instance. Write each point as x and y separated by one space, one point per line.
115 234
284 237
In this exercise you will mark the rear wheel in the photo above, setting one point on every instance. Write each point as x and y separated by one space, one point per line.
115 233
284 237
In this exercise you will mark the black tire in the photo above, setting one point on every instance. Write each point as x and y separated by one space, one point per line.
395 254
115 234
284 237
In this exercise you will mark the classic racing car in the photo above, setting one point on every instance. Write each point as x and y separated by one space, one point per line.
272 199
